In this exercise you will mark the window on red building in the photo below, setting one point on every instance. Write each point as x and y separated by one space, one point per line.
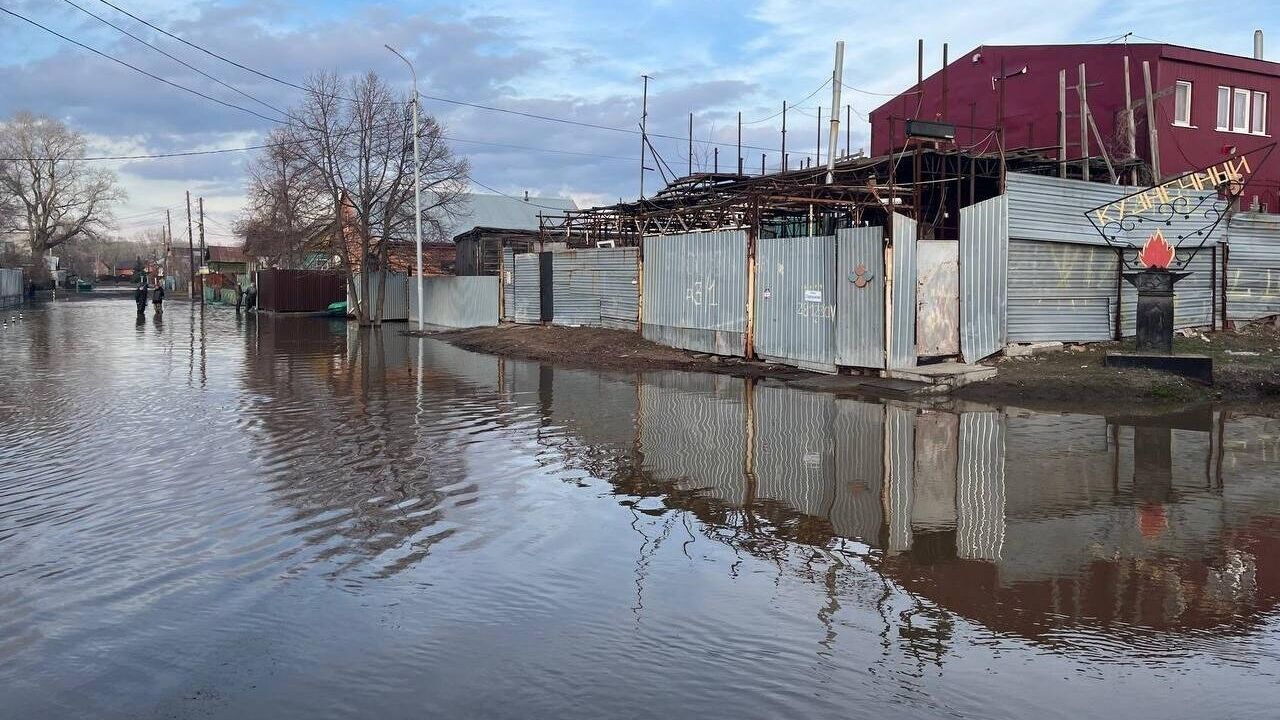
1240 110
1224 107
1259 126
1182 104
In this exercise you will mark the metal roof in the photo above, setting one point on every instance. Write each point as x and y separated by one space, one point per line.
507 213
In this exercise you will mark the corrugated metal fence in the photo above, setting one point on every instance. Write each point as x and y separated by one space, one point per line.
695 290
11 286
597 288
984 279
902 319
796 301
299 290
1253 266
457 302
860 297
396 291
507 274
526 288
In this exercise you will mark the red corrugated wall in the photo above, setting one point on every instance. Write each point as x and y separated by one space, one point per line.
299 290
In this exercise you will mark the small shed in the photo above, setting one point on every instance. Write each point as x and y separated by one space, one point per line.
493 221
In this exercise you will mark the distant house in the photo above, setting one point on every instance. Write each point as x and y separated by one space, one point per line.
491 222
228 260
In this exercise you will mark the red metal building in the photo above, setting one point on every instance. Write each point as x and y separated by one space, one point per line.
1205 104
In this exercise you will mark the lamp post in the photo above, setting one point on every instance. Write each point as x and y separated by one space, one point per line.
417 185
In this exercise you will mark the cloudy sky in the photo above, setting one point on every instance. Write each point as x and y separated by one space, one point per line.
577 60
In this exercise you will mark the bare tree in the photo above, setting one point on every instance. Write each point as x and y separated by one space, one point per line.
286 211
347 152
56 196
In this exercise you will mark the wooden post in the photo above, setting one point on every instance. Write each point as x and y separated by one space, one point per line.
1062 123
1152 136
191 253
1106 157
1131 137
1083 92
202 248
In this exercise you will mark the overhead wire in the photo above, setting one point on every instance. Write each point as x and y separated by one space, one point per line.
135 68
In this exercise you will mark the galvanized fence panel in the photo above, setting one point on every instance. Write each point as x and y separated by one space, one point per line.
1061 291
11 286
796 301
508 284
396 289
902 320
1053 209
1193 301
1253 266
980 525
457 302
695 291
860 297
526 289
937 298
598 288
308 291
984 277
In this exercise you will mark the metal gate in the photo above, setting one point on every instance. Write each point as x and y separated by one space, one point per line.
902 319
796 302
984 277
507 278
860 297
527 303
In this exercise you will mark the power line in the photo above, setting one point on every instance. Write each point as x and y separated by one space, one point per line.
792 105
135 68
434 98
512 197
174 58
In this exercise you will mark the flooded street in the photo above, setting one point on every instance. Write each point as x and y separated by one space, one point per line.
254 517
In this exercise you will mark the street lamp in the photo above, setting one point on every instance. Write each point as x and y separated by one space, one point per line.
417 184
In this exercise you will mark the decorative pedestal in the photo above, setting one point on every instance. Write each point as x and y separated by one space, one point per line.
1155 308
1155 330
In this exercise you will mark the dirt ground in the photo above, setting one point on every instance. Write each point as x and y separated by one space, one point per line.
1246 366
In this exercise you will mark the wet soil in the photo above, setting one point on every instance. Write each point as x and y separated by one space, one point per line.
1246 367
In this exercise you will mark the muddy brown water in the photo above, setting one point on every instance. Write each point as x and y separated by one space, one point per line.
212 516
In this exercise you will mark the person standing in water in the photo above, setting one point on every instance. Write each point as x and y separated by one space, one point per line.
140 297
157 296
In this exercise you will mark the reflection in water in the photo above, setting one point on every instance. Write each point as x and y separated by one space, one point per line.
328 521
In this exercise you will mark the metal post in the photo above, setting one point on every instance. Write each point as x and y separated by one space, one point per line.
417 190
168 221
837 75
817 155
691 143
848 126
1062 123
1082 92
1130 134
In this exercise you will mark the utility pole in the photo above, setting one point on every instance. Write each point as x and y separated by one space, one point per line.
848 127
739 142
417 191
191 253
644 137
168 221
202 248
837 75
690 143
784 135
817 154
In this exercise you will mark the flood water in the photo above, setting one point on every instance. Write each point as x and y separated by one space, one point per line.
225 517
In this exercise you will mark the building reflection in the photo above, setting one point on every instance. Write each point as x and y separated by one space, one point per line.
1025 522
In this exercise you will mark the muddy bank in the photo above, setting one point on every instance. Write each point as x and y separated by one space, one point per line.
1246 368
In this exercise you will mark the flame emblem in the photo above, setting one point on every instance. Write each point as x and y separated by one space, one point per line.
1156 253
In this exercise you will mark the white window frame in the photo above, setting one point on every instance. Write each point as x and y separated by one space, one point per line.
1224 107
1258 121
1240 110
1184 121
